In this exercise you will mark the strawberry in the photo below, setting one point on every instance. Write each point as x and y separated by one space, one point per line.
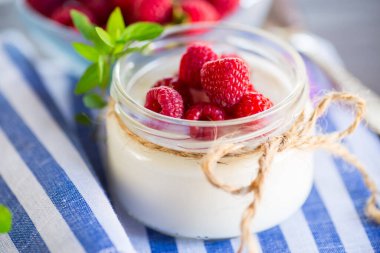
225 7
165 100
199 10
46 8
62 14
100 8
192 62
225 81
159 11
251 103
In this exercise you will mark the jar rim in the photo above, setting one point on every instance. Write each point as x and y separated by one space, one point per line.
300 78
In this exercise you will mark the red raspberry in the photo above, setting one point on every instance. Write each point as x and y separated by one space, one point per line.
251 103
192 62
100 8
225 81
174 83
251 88
199 10
159 11
225 7
205 112
45 7
62 14
165 100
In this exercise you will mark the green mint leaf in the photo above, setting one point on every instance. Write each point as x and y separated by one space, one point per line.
94 101
5 219
83 119
101 63
86 51
106 75
83 24
104 36
115 24
89 80
141 31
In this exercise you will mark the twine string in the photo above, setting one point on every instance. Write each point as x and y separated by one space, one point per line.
300 136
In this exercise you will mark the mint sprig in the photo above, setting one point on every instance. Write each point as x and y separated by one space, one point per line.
104 48
5 219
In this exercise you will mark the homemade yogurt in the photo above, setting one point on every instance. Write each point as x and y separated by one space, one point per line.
170 193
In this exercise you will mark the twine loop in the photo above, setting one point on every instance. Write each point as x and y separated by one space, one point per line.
300 136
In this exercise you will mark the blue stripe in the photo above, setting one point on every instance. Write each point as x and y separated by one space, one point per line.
218 246
357 191
54 180
33 78
320 224
273 240
87 136
24 234
160 243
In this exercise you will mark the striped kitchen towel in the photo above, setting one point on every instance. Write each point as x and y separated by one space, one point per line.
56 202
61 208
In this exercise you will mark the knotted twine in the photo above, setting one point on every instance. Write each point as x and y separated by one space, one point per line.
300 136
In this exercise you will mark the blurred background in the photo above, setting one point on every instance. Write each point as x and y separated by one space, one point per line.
352 26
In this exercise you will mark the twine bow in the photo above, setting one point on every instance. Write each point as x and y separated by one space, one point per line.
299 136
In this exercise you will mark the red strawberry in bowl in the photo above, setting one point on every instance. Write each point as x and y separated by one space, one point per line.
46 8
159 11
225 7
62 14
199 10
101 9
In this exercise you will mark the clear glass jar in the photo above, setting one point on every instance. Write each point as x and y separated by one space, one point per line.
169 192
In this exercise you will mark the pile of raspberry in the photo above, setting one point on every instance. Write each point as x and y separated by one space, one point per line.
159 11
208 87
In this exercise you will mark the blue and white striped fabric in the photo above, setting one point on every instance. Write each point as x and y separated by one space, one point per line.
59 206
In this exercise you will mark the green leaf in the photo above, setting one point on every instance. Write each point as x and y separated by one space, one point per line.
5 219
83 119
83 24
86 51
104 36
101 63
142 31
115 24
106 76
94 101
89 80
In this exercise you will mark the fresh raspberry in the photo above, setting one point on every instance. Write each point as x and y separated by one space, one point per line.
225 81
192 62
165 100
62 14
251 88
199 10
159 11
225 7
205 112
174 83
46 8
100 8
251 103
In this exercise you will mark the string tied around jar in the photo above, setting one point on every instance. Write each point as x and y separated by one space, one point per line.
300 136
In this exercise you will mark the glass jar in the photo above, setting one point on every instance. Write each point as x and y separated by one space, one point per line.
169 192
